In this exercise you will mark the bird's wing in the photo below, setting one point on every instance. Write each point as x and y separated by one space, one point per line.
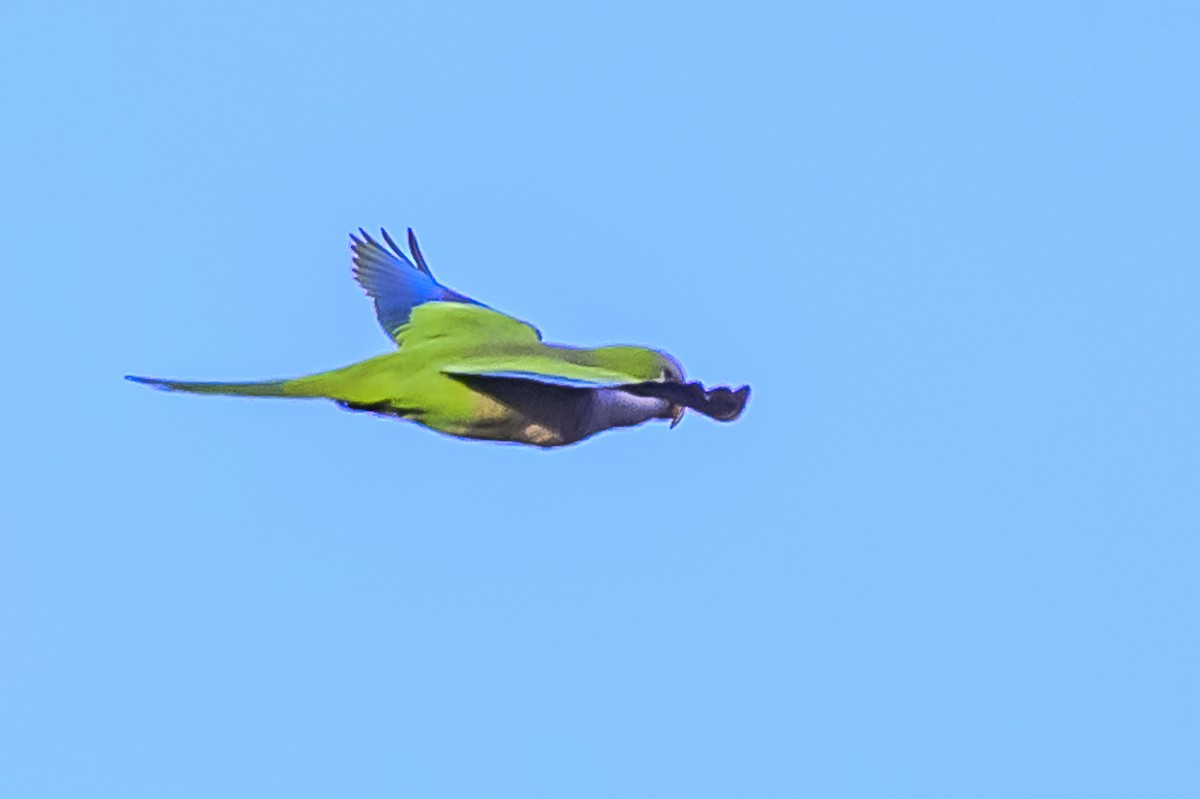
467 324
721 403
473 325
541 368
394 282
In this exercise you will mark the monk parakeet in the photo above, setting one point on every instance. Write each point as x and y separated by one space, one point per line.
466 370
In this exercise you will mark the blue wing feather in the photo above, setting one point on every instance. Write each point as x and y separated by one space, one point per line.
545 379
546 367
394 282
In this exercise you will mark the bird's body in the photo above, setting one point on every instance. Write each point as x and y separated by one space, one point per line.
469 371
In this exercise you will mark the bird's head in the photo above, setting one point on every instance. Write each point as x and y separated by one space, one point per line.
672 372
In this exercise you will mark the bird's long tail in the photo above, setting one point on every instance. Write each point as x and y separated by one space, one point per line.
366 382
266 388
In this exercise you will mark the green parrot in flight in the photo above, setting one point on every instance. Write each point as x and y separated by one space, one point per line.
466 370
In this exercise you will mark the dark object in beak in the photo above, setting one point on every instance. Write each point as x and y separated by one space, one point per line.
721 403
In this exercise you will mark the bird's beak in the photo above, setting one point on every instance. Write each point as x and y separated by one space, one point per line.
676 414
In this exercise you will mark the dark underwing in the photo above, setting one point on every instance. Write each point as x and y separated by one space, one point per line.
721 403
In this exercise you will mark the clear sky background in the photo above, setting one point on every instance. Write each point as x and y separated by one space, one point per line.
950 550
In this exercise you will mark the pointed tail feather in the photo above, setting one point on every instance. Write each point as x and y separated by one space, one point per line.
268 388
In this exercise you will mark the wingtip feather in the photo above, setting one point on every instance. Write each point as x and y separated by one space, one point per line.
415 249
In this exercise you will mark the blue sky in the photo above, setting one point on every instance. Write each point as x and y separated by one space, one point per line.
950 550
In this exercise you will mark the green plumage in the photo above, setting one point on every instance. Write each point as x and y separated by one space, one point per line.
466 370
